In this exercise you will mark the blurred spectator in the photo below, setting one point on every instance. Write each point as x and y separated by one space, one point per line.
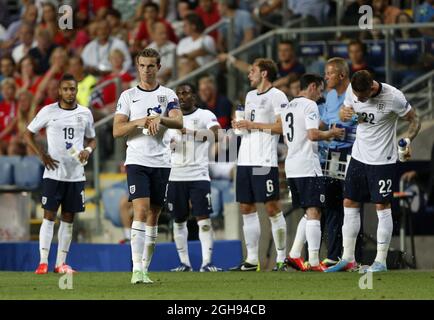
425 13
7 68
215 102
357 55
96 53
294 87
8 113
86 82
116 27
12 35
406 33
89 9
196 49
269 11
244 27
42 52
375 33
150 17
184 8
50 94
208 12
287 64
26 42
28 79
26 111
385 11
317 9
127 8
167 50
80 36
109 94
351 15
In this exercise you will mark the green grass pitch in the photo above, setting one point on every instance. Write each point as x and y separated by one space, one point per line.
225 285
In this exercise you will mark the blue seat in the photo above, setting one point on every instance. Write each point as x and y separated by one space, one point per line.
111 198
6 173
312 49
338 49
28 173
408 51
376 52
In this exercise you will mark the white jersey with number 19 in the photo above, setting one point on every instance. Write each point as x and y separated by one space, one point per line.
65 128
302 159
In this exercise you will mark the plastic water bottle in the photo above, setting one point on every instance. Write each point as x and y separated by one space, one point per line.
73 152
402 148
239 115
154 112
355 118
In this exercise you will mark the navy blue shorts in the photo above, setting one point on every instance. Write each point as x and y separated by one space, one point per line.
181 193
369 183
251 188
307 192
69 195
147 182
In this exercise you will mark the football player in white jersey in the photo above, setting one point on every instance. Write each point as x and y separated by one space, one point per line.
68 125
300 124
257 178
189 180
143 113
370 174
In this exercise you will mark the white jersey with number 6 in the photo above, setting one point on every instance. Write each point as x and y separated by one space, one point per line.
64 126
376 133
190 157
302 159
260 148
137 103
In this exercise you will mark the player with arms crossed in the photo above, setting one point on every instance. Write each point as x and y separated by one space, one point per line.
257 178
373 161
146 106
300 123
67 124
189 179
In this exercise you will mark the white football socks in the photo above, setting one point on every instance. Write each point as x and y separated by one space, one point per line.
64 236
127 233
313 237
206 240
137 244
278 227
150 239
180 234
45 238
252 232
384 234
350 230
300 239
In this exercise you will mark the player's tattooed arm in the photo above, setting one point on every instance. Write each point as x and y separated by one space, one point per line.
49 163
414 127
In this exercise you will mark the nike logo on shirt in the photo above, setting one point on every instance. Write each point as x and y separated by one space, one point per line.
134 101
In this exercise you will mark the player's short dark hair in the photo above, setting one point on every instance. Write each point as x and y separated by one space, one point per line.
190 85
357 42
268 65
149 53
362 81
152 5
115 13
308 78
67 77
231 4
195 20
287 42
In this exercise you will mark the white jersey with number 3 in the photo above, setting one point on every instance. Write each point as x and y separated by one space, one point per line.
190 157
376 133
137 103
64 126
260 148
302 159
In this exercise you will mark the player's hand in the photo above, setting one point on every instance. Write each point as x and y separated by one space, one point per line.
83 156
243 124
141 123
407 154
347 113
49 163
154 125
337 133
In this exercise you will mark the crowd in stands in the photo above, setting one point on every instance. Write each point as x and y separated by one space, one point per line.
107 34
